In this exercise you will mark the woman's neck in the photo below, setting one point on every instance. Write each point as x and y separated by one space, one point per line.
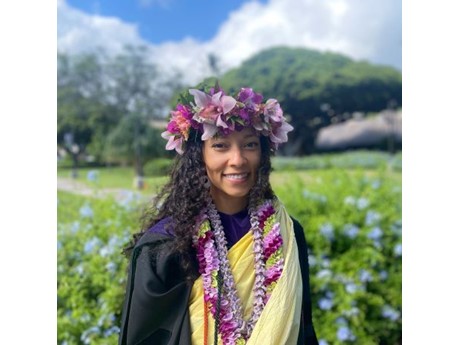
230 205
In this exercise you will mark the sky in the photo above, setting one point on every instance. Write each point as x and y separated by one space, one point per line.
180 34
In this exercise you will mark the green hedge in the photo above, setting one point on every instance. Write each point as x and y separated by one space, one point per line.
352 222
158 167
347 160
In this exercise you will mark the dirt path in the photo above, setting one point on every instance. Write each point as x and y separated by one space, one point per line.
76 187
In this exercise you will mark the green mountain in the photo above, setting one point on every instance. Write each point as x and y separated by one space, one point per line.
316 89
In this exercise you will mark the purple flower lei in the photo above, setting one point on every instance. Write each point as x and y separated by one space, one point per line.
212 256
216 113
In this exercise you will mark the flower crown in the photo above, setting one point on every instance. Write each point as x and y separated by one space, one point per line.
215 113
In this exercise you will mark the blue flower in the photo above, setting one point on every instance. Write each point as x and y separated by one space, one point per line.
86 211
398 249
323 342
375 234
390 313
325 304
92 175
314 196
351 312
85 335
383 275
324 273
325 262
351 287
341 321
372 217
91 244
104 251
365 276
75 227
377 244
362 203
396 227
111 330
349 200
311 260
351 230
128 199
376 184
344 333
79 269
327 230
111 267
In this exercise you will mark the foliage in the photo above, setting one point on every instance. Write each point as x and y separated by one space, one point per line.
158 167
353 227
352 221
83 107
315 89
91 270
125 139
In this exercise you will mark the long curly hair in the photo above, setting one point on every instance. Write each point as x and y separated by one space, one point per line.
185 195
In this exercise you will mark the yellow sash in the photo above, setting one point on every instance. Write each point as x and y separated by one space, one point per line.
280 320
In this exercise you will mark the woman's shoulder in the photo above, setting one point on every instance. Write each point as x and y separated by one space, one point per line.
162 227
160 232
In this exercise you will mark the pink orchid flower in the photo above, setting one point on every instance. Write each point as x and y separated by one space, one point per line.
273 110
279 133
210 111
174 142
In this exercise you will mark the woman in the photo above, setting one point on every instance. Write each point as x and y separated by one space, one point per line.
220 260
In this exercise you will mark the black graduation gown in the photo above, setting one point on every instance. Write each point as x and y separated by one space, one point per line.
155 310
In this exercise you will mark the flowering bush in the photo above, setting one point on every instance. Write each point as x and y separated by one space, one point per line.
353 227
352 222
91 271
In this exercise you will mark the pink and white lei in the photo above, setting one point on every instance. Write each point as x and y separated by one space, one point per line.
211 247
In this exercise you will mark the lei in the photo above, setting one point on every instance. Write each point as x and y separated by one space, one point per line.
214 267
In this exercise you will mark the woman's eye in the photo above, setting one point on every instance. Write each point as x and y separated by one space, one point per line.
218 145
252 145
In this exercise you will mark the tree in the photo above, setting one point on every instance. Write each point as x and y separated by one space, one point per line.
141 94
84 112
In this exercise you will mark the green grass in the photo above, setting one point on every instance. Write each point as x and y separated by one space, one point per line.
116 177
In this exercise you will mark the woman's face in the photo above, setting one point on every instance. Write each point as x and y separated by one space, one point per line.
231 164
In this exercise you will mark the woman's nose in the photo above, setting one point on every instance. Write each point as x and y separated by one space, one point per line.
237 158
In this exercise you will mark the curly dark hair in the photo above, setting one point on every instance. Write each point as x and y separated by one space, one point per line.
186 194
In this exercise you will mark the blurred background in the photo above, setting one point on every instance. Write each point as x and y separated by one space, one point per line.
335 67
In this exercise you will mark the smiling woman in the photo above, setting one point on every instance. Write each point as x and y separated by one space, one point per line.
220 261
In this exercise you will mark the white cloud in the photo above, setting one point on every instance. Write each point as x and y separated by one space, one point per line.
369 30
360 29
79 32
